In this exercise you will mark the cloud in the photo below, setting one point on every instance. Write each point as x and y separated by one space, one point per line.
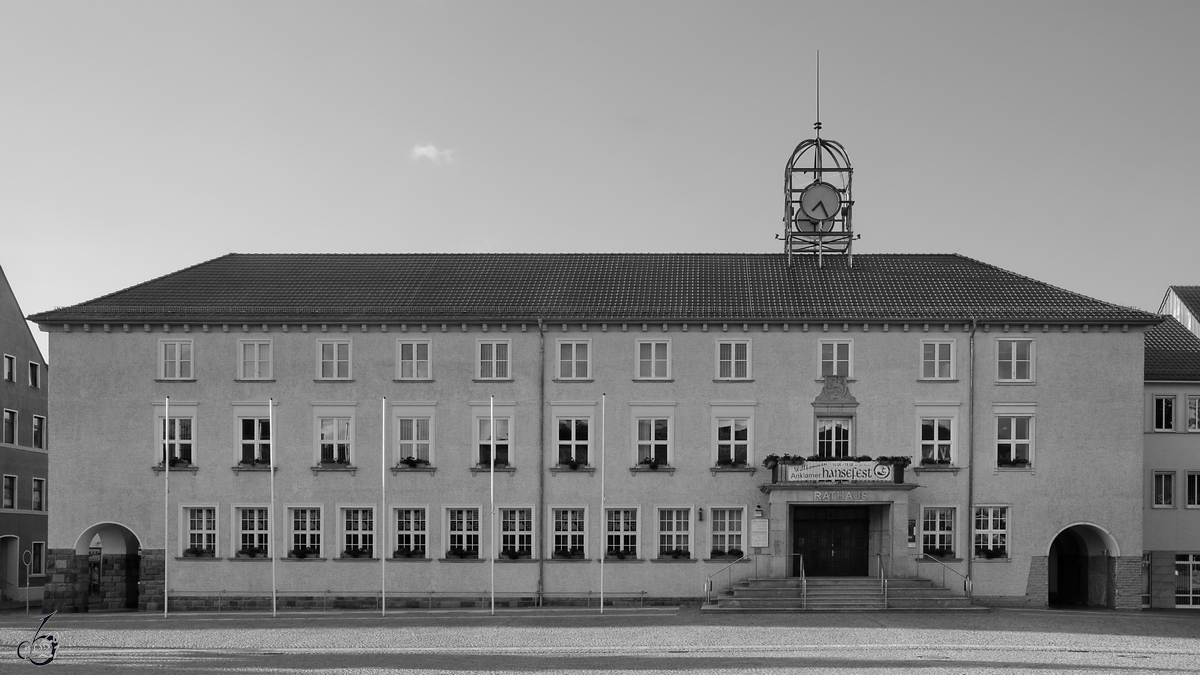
431 153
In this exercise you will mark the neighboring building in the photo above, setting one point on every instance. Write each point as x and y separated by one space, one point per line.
1172 428
23 454
1183 303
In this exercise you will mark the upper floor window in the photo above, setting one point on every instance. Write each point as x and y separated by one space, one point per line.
39 432
10 368
39 494
836 358
35 375
1193 489
1014 440
175 362
654 441
654 359
733 359
574 359
335 440
833 438
333 359
937 440
255 360
937 359
10 493
10 427
414 440
733 441
256 440
494 360
1164 489
1164 413
574 440
1014 360
501 438
177 439
412 360
1193 413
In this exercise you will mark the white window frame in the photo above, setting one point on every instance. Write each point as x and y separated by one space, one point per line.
35 375
937 361
336 360
186 532
1193 490
494 361
686 537
654 360
834 422
9 485
14 417
936 410
178 361
331 410
821 361
994 512
37 435
37 568
414 362
38 491
741 531
181 410
344 531
1164 413
257 363
526 532
263 535
653 412
940 536
721 411
402 447
1163 490
1013 411
1193 413
10 368
733 360
309 532
480 417
413 534
574 362
451 538
1013 368
572 444
623 534
574 530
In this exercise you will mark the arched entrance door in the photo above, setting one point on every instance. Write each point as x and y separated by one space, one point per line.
1079 569
10 567
119 565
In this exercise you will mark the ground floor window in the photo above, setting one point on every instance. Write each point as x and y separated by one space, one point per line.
38 565
516 533
359 532
1193 489
937 532
306 533
463 532
254 531
1187 579
411 533
674 533
621 533
202 530
726 531
569 532
991 532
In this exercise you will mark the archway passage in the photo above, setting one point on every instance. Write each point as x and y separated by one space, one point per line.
118 563
10 569
1081 567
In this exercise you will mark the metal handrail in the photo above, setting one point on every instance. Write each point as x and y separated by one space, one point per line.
803 585
882 579
965 578
708 584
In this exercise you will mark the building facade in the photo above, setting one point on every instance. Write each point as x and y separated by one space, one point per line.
23 455
653 419
1183 303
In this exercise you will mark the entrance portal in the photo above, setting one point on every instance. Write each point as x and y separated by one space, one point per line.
830 541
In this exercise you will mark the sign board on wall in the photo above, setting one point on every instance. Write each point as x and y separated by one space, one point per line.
826 472
759 533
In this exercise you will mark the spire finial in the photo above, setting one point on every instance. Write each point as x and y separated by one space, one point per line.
817 125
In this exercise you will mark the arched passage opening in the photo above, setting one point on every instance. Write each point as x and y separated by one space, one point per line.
113 567
10 567
1081 567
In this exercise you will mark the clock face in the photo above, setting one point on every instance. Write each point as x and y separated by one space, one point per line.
820 201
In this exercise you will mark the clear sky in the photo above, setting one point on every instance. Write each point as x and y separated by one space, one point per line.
1060 140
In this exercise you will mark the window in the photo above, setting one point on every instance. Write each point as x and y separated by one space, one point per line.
570 532
991 532
358 532
835 358
1164 489
177 438
255 360
654 441
35 375
176 360
621 533
937 359
727 531
573 440
412 360
1193 412
10 427
411 533
494 360
38 565
654 359
201 530
256 440
1014 362
10 368
306 532
733 441
39 432
833 438
1014 440
463 532
674 530
39 494
1164 413
253 530
937 442
574 360
10 493
1187 579
413 439
733 359
516 533
335 440
502 437
937 531
1193 489
333 360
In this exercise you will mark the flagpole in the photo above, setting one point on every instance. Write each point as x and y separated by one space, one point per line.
603 513
166 496
274 516
492 519
383 520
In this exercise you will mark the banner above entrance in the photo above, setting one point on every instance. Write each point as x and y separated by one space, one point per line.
829 472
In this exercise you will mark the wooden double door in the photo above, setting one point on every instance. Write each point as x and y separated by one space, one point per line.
832 541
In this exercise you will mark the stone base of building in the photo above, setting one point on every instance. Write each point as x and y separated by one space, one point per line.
259 603
67 581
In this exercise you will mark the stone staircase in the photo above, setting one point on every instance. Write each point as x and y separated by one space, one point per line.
837 594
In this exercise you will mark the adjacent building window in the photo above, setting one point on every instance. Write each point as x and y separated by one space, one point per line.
937 531
358 532
574 360
937 440
991 532
733 359
462 527
201 530
494 360
653 359
1187 579
653 440
621 533
674 533
570 532
836 358
516 533
937 359
9 500
1014 361
175 360
38 565
255 359
333 360
1193 490
412 360
335 440
727 531
10 427
35 375
733 441
178 440
1164 489
39 432
1193 412
1164 413
306 532
1014 440
10 368
574 440
411 533
501 433
39 494
253 530
256 440
414 439
833 438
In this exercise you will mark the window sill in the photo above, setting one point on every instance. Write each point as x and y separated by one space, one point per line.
613 559
569 560
461 560
500 469
1163 507
410 560
485 380
1013 469
261 558
1017 383
412 379
191 468
937 379
733 379
662 469
653 379
562 468
849 380
333 379
359 560
573 379
714 470
303 560
414 469
516 560
175 379
673 560
202 558
260 468
254 379
937 468
341 468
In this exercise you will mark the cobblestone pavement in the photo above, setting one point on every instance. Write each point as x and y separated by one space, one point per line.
634 641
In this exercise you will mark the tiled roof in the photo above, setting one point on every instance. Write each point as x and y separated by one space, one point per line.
1190 297
1172 352
590 286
